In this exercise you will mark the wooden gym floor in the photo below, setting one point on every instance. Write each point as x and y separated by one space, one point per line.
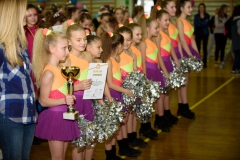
214 96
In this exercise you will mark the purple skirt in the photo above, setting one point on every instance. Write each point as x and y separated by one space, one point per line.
162 80
52 126
168 63
193 51
117 96
153 72
84 106
178 54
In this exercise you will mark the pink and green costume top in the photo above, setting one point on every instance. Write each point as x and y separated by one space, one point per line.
151 53
188 31
188 36
165 45
165 50
59 86
51 125
173 34
126 64
83 65
117 79
138 54
116 71
152 70
83 106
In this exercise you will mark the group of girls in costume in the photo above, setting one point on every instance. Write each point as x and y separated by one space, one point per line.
148 45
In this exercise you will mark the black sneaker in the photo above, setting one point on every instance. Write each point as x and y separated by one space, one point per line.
136 151
149 133
138 142
171 119
187 114
128 152
163 125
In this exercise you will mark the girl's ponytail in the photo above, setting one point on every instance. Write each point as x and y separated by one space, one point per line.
41 53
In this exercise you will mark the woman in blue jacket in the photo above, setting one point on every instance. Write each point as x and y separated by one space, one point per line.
201 20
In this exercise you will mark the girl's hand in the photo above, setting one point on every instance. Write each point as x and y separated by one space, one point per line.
70 100
101 101
168 76
129 93
85 84
110 100
178 65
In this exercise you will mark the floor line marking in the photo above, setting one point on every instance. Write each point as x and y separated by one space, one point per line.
195 105
212 93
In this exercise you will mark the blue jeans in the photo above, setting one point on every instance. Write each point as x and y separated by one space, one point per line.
16 139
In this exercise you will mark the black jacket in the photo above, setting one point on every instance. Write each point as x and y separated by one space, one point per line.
235 35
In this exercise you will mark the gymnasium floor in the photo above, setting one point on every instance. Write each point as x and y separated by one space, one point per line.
214 96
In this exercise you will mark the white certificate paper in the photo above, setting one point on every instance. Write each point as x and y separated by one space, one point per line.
97 72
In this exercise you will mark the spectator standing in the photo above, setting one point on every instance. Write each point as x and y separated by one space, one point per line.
219 33
211 37
236 40
201 20
17 108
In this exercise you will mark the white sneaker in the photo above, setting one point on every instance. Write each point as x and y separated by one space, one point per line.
222 65
1 156
235 72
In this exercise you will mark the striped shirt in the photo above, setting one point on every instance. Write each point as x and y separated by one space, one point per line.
17 98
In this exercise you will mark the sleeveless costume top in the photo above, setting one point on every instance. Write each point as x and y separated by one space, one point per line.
59 86
117 79
126 64
137 52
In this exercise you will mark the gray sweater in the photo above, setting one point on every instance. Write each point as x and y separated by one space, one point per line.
219 24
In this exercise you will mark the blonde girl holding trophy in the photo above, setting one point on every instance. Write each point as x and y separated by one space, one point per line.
49 49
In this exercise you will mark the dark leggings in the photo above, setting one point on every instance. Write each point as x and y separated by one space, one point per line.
199 36
236 63
220 41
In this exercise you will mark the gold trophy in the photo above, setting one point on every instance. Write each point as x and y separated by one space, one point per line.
69 72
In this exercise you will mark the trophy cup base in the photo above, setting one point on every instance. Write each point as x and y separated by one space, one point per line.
70 116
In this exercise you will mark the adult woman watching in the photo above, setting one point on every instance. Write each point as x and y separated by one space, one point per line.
17 107
201 20
236 39
219 33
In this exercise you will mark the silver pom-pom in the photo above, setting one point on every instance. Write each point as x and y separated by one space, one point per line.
191 64
177 77
115 110
185 64
144 109
152 90
198 65
165 89
143 106
135 82
146 93
88 130
107 118
99 119
79 143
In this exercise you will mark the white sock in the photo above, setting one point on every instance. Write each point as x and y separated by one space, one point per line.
1 156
